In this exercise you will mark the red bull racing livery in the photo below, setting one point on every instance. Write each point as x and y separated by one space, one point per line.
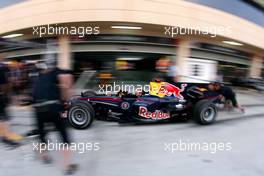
164 102
143 112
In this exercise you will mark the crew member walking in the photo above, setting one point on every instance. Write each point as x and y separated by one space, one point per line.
50 90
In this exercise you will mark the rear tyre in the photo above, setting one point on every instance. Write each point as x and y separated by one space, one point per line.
81 115
205 112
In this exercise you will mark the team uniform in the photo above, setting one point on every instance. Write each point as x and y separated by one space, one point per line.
229 94
47 103
3 95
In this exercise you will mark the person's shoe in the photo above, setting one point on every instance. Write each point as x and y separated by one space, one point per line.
47 160
44 157
15 137
72 168
10 143
32 133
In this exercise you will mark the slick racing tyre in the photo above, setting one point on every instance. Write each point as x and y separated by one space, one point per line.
204 112
81 115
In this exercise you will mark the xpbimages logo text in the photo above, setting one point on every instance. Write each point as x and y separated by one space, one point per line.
116 87
213 31
193 146
80 147
55 29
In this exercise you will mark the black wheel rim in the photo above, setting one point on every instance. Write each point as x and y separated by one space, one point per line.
79 116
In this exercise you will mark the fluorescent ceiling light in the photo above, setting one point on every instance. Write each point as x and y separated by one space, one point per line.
129 58
233 43
126 27
12 35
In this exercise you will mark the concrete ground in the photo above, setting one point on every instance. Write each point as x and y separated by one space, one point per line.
250 98
152 149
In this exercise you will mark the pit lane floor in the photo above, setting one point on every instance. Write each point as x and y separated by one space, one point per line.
140 150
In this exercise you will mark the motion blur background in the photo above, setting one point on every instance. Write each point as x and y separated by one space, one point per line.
132 45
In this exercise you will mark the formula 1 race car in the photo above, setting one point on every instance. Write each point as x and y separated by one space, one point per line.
165 102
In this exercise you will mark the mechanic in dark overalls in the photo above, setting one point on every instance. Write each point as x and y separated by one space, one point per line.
6 136
50 89
228 94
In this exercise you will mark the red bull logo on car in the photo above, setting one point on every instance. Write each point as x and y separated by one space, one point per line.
166 89
143 112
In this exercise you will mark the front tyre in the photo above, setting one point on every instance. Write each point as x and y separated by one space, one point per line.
205 112
81 115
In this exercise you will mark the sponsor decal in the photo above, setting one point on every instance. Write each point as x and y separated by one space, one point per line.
166 89
125 105
143 112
